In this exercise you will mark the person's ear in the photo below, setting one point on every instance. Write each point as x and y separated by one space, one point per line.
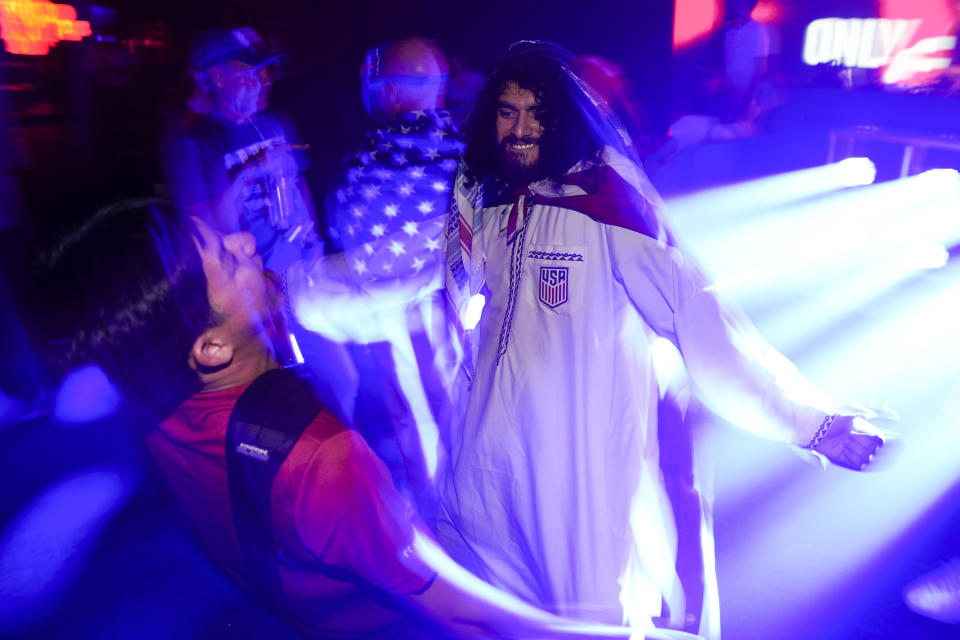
212 351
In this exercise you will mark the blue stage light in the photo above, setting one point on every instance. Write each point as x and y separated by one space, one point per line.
85 395
854 172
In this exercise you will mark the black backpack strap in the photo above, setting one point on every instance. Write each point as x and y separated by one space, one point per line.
265 424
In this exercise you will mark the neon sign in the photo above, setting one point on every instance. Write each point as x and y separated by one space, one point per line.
868 44
31 27
873 43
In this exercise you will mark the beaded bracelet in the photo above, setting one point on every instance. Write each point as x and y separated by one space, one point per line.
822 430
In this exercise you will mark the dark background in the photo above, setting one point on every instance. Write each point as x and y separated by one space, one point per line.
93 133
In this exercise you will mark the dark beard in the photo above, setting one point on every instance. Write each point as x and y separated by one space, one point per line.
514 174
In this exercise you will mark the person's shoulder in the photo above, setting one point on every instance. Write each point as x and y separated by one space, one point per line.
277 120
206 134
630 169
328 444
273 115
331 473
324 426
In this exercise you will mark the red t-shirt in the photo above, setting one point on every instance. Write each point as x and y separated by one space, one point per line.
333 503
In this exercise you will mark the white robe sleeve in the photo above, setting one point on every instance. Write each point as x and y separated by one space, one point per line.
735 371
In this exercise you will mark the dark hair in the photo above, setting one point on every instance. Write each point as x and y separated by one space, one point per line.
568 137
127 292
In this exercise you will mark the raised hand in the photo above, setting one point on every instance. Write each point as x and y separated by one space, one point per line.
851 442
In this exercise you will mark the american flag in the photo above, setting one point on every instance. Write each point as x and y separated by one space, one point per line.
393 196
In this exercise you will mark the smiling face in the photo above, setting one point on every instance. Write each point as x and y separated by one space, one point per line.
518 130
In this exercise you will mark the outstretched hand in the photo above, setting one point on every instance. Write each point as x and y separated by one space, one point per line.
851 442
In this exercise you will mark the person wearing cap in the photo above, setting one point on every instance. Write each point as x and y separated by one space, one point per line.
240 167
554 489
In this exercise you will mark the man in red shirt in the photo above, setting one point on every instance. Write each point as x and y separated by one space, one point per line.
178 316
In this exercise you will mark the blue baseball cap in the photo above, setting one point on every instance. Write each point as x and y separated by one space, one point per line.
222 45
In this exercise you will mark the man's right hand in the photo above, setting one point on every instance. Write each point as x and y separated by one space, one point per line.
851 442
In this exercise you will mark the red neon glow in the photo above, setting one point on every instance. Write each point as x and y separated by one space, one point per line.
938 18
694 19
31 27
767 11
937 15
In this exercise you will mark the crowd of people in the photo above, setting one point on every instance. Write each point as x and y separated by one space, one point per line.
433 409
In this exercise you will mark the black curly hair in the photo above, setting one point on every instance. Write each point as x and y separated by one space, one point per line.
568 137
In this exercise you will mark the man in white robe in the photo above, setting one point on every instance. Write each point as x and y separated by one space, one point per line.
553 490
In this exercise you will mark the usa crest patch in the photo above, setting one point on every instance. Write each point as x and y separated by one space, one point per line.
553 285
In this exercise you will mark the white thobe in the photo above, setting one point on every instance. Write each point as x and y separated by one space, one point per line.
553 490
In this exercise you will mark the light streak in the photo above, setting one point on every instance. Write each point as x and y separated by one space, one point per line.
854 285
719 205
